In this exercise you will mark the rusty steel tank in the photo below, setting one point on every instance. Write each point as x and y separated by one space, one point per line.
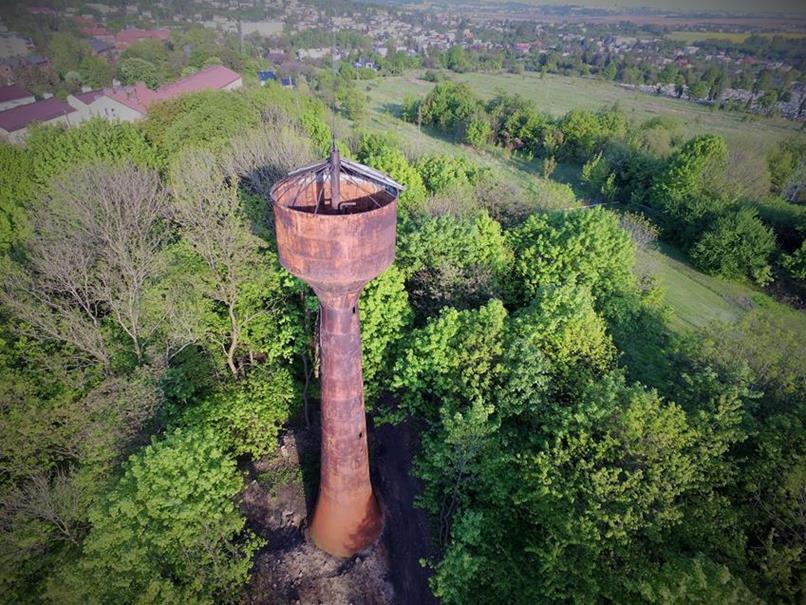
336 227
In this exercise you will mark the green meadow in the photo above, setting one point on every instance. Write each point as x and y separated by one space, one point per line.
696 299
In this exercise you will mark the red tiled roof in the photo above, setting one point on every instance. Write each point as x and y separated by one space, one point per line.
139 97
12 93
95 31
131 36
18 118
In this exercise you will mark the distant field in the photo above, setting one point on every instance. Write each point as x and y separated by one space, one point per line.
696 299
557 94
689 36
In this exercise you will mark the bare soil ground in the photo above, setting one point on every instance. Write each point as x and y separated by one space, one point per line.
290 570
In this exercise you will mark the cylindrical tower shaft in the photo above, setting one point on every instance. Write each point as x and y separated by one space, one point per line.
336 225
347 518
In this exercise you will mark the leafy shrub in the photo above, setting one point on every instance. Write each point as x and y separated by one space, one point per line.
452 361
248 415
54 150
440 172
795 263
169 532
739 245
587 247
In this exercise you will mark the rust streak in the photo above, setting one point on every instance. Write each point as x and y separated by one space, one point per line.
337 248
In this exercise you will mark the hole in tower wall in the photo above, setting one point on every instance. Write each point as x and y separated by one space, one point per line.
353 310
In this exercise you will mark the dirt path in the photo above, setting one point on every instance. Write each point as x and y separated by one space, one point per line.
289 570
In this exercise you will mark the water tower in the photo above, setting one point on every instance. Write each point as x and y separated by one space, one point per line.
336 229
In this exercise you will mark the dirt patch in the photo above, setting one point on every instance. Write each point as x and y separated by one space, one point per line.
289 570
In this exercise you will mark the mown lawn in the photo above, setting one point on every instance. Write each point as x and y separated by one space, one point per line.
697 299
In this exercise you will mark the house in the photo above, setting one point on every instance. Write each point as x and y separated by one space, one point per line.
14 122
365 64
287 82
130 103
10 68
12 96
101 33
127 37
312 53
41 10
101 48
13 45
277 58
266 76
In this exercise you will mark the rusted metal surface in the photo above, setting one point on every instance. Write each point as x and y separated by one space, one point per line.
337 248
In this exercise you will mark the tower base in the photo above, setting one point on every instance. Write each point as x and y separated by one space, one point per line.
345 528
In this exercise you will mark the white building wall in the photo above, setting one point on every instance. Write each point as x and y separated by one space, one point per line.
102 107
234 85
18 136
16 103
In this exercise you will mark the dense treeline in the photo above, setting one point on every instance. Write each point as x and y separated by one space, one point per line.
573 448
719 205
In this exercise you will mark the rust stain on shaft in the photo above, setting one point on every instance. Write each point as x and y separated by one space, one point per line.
337 248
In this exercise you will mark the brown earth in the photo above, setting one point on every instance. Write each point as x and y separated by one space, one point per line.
280 493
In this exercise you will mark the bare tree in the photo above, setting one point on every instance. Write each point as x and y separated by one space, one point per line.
59 501
207 206
96 245
264 155
644 232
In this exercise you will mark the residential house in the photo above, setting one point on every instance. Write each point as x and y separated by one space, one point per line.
10 68
101 33
12 96
312 53
128 37
14 122
102 48
130 103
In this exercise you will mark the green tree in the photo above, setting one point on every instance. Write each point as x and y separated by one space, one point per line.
684 190
95 72
169 532
783 161
132 71
585 247
16 190
739 245
440 172
67 51
795 263
478 132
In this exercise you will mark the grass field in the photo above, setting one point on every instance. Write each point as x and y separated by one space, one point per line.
696 299
556 95
689 36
